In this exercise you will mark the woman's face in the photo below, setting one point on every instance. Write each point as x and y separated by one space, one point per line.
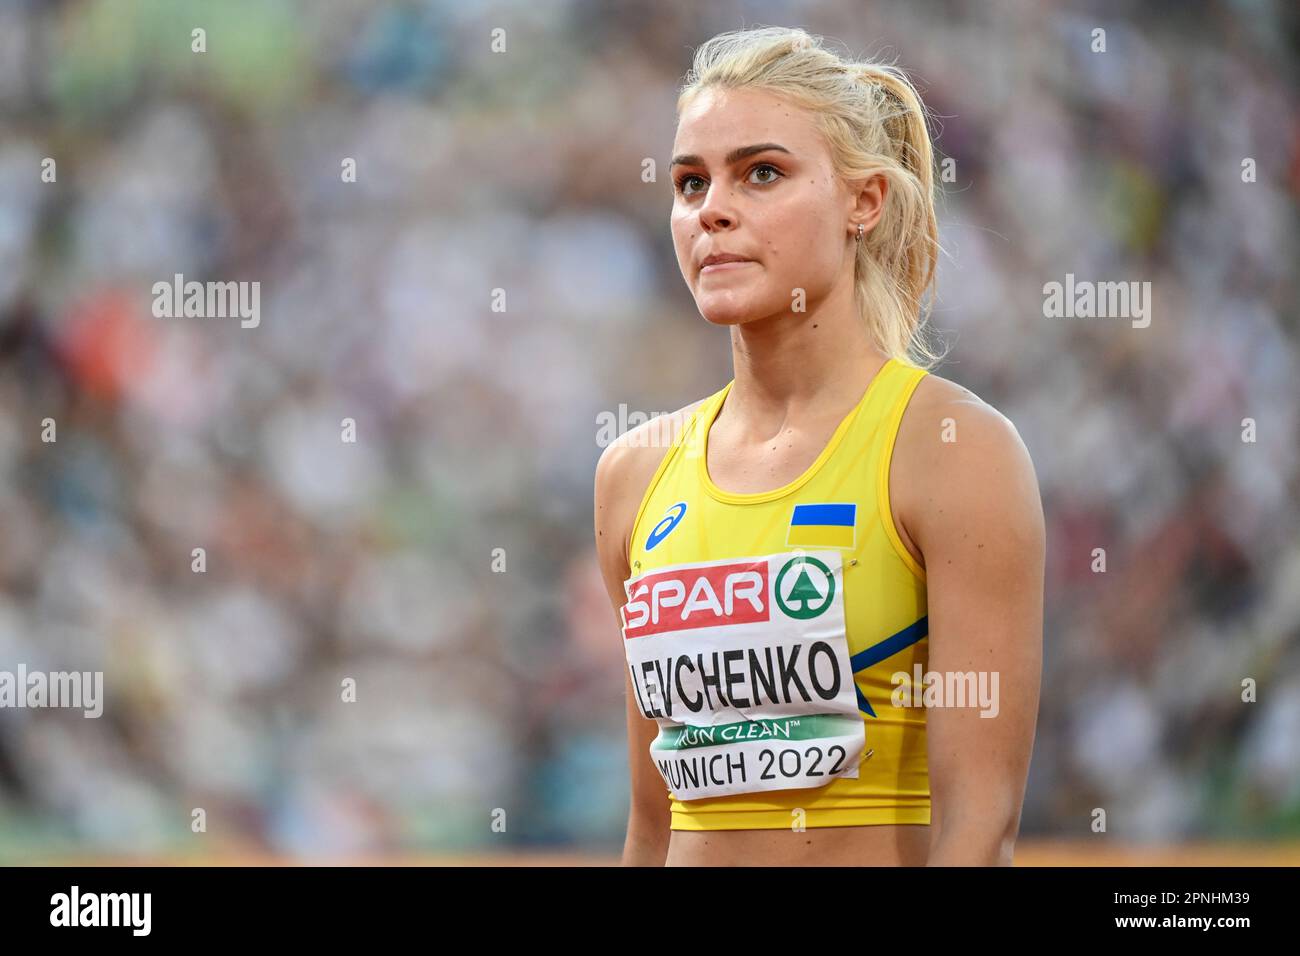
780 208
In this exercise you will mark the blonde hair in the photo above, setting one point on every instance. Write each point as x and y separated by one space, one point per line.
873 121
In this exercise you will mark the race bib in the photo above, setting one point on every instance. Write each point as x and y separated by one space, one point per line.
744 663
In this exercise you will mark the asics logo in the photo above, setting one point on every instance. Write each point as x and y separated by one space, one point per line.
665 525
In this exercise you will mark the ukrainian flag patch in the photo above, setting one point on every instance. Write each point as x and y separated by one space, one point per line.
823 526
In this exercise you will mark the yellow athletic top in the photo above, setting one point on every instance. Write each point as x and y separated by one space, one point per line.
746 616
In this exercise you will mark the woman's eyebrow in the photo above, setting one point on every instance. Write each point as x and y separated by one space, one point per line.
737 154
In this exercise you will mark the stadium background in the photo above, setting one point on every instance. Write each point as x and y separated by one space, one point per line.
481 691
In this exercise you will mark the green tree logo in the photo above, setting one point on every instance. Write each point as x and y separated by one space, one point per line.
811 594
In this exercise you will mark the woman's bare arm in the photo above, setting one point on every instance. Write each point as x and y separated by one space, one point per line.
973 509
622 475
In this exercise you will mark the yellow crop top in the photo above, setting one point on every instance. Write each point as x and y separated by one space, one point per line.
762 632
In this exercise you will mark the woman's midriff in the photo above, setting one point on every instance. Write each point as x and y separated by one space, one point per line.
900 845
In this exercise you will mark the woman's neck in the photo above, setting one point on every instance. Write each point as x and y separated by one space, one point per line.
789 365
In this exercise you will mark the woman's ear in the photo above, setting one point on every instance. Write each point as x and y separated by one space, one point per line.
870 201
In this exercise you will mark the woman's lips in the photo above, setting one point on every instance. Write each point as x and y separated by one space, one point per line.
724 266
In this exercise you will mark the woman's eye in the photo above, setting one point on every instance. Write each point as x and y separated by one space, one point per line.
770 173
681 184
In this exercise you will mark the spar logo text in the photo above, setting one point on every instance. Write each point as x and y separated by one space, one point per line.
684 598
697 597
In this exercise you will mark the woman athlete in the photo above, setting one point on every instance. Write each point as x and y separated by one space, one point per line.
829 574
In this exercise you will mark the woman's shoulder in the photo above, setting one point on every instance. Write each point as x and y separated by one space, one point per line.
940 409
623 473
639 450
935 394
956 452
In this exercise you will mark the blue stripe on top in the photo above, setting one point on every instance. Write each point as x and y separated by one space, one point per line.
886 648
840 515
891 645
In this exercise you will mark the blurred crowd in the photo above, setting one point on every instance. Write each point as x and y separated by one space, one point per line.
500 274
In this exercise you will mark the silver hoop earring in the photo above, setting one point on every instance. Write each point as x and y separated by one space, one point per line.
859 232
